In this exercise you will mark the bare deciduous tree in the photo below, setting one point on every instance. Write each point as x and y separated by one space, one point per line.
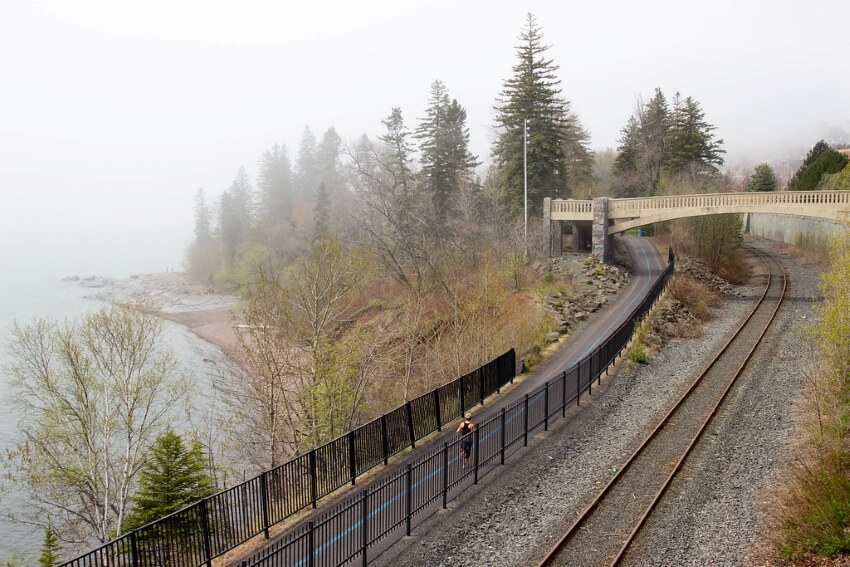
94 396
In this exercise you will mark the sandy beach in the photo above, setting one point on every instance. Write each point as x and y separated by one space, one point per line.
172 296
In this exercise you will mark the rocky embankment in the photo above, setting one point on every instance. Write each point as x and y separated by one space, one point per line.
673 319
588 286
208 314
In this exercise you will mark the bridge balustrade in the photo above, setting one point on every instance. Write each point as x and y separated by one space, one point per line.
634 207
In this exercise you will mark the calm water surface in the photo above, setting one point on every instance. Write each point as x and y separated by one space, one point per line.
24 298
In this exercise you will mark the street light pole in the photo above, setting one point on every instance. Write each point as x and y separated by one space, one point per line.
525 179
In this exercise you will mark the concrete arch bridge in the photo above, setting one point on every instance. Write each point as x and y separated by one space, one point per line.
595 221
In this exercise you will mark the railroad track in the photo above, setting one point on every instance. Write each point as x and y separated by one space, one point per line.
605 529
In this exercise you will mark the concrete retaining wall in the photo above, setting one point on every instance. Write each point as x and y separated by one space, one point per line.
804 232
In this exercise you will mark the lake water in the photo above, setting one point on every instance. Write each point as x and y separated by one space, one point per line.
24 298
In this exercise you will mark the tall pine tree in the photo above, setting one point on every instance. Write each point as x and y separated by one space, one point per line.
444 149
532 94
307 176
274 182
327 161
657 142
691 146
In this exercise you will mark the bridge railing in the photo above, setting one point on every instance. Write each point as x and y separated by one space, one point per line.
211 527
576 209
363 524
638 206
634 207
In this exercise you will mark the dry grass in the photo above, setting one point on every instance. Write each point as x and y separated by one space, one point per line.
694 296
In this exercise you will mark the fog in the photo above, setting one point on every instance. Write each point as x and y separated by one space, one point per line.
112 115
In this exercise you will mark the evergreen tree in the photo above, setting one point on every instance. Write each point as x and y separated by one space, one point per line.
327 161
444 148
820 160
836 181
243 197
172 478
579 157
654 120
202 218
49 548
625 169
532 94
398 149
305 166
763 179
275 184
657 141
321 213
691 144
235 214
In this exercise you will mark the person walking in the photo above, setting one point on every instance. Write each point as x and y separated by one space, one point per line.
465 430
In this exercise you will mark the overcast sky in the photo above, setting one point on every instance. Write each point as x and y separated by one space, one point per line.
112 113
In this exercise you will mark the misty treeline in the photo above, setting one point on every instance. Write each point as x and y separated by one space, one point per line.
375 270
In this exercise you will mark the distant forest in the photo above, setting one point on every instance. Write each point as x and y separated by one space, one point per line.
421 181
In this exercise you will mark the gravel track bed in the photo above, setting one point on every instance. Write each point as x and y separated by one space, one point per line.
521 509
600 536
716 510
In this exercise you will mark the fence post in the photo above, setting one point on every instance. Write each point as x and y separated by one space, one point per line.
437 409
134 548
502 442
365 529
462 404
445 473
205 528
546 407
481 384
589 378
310 542
352 457
564 394
599 367
409 498
314 479
578 384
410 425
384 442
475 438
525 423
264 496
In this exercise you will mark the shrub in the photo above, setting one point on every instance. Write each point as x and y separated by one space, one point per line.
638 352
814 515
694 296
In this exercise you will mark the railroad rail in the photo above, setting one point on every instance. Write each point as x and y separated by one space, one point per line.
606 528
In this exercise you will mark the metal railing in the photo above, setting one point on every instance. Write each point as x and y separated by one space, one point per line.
372 519
209 528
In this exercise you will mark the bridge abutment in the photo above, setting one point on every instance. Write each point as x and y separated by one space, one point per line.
602 249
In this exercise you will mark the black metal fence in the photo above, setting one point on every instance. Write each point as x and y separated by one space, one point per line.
195 535
366 523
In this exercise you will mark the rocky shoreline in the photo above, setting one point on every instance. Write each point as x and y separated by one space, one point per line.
207 314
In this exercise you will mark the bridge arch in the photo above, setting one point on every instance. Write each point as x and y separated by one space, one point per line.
612 216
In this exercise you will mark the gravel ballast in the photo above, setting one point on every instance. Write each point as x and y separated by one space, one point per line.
715 514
